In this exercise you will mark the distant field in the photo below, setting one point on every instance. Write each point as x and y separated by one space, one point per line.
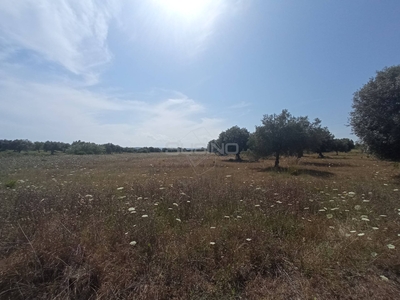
159 226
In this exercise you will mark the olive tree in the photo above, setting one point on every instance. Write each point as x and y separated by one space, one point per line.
375 118
285 134
281 134
235 136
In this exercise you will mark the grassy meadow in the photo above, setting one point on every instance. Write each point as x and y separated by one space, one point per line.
159 226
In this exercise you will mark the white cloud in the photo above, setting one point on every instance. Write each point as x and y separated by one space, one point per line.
70 33
50 51
58 112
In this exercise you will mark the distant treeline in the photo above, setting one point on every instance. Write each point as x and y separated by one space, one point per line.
80 147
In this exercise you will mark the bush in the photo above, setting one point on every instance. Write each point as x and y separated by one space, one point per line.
81 148
11 184
250 155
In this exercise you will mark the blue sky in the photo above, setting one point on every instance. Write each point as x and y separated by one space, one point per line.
174 72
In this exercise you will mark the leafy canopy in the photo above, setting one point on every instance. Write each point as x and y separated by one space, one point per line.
375 118
233 139
285 134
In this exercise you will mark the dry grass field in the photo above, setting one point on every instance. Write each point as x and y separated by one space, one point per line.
159 226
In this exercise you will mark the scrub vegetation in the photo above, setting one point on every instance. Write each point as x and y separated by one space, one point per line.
193 226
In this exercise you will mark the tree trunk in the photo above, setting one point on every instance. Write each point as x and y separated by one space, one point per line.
277 160
337 152
320 155
238 158
300 154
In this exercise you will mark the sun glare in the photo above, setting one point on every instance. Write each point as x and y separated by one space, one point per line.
185 8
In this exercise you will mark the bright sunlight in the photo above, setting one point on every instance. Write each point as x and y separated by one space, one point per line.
185 8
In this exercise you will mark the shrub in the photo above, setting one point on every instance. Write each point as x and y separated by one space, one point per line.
11 184
81 148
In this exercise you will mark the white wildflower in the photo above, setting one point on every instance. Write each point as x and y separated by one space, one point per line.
133 243
384 278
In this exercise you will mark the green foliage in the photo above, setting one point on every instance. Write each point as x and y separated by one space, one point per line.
342 145
321 140
111 148
37 146
11 184
55 146
81 148
251 155
5 145
26 145
375 118
285 134
21 145
16 145
234 135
